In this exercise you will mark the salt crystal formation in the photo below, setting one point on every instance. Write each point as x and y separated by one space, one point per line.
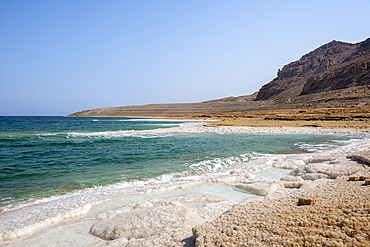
341 217
318 205
159 222
313 171
261 188
362 156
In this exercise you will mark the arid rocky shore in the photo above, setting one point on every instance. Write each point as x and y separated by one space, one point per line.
357 117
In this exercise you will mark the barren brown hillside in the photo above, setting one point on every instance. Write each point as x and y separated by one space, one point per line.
335 75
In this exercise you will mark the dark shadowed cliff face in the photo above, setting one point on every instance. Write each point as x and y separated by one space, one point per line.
335 65
355 71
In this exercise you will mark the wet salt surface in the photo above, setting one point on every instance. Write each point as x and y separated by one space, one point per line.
273 174
68 232
73 217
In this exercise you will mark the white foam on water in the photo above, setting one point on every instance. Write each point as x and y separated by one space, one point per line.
118 134
221 163
322 147
22 219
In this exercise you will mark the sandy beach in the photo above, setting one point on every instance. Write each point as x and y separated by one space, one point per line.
214 213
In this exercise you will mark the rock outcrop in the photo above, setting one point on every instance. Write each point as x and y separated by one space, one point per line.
336 65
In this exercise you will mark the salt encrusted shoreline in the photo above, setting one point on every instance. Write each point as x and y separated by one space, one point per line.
168 222
322 178
341 217
276 130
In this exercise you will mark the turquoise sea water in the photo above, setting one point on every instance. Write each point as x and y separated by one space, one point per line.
44 156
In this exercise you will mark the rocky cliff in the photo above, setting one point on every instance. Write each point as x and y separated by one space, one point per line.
336 65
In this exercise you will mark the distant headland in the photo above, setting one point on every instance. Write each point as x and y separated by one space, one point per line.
335 75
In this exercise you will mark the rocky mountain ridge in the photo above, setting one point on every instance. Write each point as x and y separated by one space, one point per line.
336 65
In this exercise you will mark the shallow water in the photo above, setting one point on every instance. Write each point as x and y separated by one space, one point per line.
43 156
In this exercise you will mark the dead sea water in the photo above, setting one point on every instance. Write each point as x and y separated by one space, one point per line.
59 167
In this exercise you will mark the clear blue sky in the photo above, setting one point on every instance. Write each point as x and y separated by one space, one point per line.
59 57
